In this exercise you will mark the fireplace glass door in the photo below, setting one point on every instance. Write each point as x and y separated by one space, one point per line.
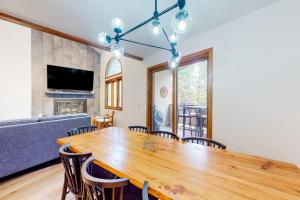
70 106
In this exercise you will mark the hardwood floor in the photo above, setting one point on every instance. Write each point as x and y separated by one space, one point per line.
43 184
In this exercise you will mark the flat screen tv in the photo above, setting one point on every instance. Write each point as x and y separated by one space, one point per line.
69 78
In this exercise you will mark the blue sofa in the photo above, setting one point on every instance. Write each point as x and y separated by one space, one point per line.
25 143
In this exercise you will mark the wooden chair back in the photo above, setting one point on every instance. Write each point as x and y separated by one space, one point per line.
204 141
101 189
109 118
166 134
72 163
105 189
81 130
138 129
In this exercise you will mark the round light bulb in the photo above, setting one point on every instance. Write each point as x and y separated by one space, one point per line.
172 64
117 25
177 57
117 50
182 25
155 27
181 21
174 61
104 39
173 38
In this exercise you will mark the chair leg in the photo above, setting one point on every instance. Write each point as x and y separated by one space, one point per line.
65 187
84 193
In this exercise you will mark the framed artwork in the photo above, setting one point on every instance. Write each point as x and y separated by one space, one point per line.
164 92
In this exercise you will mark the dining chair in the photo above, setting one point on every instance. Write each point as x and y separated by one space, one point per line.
138 129
166 134
80 130
188 117
204 141
196 123
72 163
106 189
106 120
181 117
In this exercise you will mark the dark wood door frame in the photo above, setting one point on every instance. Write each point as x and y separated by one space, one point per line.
206 54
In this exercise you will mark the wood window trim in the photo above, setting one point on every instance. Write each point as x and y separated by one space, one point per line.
114 75
116 78
206 54
112 82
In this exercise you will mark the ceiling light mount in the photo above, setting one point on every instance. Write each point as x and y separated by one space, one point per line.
181 4
180 24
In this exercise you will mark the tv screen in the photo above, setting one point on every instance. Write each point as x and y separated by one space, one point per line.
69 78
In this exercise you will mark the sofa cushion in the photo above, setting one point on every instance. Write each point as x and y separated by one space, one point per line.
59 117
18 121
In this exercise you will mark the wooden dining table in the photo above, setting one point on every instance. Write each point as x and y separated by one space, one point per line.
186 171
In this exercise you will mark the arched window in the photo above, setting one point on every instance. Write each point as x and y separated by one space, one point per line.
113 85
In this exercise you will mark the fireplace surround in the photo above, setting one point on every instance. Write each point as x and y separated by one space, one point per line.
48 49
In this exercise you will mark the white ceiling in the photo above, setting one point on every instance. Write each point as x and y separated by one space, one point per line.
86 18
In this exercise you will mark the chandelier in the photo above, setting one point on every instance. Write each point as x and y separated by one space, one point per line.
181 22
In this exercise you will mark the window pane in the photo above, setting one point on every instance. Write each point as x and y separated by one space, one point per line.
192 84
109 94
113 68
115 94
120 94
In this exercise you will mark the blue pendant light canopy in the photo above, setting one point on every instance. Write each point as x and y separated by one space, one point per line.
180 23
155 27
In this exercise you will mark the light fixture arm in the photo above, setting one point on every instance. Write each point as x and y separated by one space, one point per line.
156 14
148 45
150 19
179 24
166 35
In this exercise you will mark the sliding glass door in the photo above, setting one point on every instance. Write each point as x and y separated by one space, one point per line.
192 99
180 100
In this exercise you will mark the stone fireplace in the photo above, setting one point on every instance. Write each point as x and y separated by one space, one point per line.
48 49
70 106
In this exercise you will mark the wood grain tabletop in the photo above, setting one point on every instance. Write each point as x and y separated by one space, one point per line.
185 171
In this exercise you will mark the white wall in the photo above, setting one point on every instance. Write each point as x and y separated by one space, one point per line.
15 71
256 95
134 91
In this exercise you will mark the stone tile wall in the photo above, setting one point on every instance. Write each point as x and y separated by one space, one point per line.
53 50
